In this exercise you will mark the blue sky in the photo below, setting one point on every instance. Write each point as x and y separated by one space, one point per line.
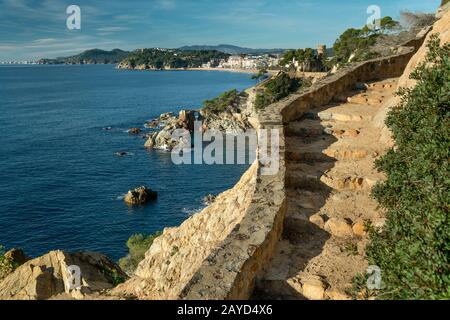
31 29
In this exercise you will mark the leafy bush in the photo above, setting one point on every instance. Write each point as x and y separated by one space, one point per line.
300 55
413 248
276 89
6 265
138 245
225 101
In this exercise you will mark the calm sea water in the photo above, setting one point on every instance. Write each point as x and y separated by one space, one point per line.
60 182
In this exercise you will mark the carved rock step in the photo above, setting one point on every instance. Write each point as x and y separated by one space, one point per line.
388 85
316 129
274 284
349 182
365 98
322 182
348 112
302 180
329 149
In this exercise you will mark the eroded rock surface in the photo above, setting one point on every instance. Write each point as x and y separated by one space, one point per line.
47 276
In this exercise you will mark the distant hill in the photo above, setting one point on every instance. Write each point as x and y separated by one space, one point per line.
230 49
94 56
163 59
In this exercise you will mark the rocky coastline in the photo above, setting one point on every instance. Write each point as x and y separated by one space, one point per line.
235 118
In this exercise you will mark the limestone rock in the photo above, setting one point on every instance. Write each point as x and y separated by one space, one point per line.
150 143
48 276
359 230
339 228
187 118
318 220
338 296
314 289
140 195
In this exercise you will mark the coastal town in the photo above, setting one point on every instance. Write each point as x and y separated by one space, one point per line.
179 59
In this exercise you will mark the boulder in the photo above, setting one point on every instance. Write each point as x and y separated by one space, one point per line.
150 143
49 276
166 116
187 119
140 195
339 228
153 124
359 229
134 131
314 288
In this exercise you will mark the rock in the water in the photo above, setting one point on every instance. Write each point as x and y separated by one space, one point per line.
134 131
187 119
122 154
209 199
150 143
140 195
48 276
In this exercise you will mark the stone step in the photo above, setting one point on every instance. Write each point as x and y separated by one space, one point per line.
327 155
388 85
325 181
330 149
367 98
315 129
301 180
349 183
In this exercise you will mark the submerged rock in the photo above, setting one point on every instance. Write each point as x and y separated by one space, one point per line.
140 195
122 154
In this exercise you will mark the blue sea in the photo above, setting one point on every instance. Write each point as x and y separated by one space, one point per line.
61 185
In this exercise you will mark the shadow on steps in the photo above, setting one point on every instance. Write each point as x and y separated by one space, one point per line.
303 237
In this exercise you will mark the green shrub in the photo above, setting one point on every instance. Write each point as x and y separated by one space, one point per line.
276 89
6 265
138 245
413 248
226 101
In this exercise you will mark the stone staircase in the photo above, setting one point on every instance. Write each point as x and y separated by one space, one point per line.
330 154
